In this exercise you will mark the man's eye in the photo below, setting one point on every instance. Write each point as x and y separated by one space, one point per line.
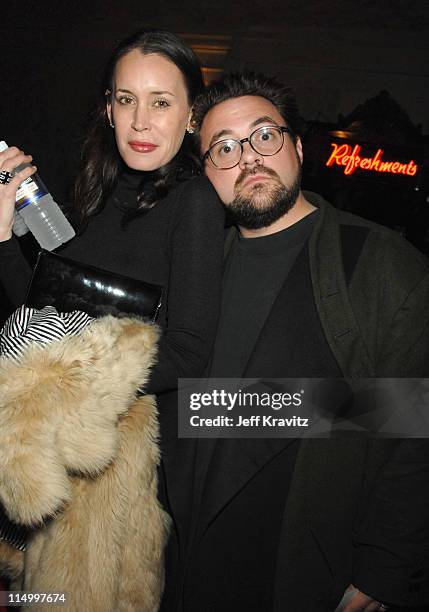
225 149
267 135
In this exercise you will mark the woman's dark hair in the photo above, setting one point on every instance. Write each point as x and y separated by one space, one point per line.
100 159
248 83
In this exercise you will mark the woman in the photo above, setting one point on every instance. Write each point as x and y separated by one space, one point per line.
137 213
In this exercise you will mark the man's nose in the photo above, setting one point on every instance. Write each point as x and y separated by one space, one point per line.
250 157
141 118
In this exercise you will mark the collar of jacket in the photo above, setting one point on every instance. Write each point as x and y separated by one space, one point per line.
330 291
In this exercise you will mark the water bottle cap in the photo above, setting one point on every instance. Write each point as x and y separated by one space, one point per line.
3 146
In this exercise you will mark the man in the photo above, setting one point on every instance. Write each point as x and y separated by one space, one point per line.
289 525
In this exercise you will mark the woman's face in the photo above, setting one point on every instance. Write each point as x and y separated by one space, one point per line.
149 109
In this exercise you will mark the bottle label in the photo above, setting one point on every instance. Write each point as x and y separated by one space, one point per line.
30 191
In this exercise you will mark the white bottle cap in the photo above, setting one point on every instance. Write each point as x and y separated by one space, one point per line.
3 146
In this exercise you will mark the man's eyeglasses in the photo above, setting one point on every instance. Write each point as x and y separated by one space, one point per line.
267 140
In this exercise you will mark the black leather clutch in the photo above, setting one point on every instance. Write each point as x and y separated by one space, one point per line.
69 285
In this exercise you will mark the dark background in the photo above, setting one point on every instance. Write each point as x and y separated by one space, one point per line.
338 55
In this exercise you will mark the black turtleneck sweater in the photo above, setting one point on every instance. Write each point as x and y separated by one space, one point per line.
178 244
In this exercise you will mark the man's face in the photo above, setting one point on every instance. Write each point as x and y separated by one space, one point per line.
260 189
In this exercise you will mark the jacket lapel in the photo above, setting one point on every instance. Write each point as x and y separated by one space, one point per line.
232 464
227 465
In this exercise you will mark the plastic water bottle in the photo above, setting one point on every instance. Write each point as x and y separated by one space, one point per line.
40 213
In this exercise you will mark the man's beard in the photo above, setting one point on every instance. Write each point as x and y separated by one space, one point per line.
258 210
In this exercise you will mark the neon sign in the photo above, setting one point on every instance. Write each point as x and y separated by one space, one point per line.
343 155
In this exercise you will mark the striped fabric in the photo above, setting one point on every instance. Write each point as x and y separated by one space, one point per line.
16 535
28 325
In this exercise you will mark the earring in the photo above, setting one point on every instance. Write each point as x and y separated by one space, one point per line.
111 125
190 126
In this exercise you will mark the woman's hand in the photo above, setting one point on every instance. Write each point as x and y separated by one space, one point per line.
10 159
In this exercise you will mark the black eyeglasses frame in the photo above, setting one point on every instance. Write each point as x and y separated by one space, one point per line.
283 129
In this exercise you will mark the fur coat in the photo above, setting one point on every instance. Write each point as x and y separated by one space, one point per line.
78 459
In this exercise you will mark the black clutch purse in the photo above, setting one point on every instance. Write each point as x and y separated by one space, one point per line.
69 285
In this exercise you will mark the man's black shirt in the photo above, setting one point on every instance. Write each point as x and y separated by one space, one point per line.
255 271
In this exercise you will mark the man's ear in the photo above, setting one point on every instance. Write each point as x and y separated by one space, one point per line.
298 147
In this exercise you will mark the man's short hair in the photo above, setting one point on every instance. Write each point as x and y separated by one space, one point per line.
249 83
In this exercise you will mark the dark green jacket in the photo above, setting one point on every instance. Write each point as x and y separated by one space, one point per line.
358 510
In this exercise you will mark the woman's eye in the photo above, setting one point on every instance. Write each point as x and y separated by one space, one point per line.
125 100
161 103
